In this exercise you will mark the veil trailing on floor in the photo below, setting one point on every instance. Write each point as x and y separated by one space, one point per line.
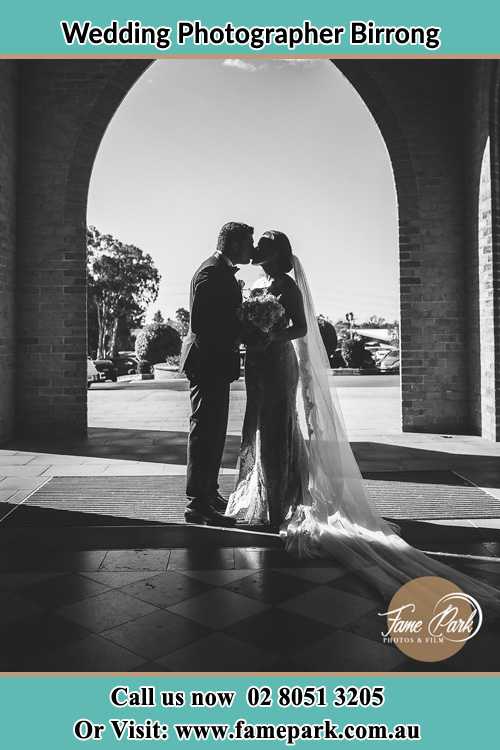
336 519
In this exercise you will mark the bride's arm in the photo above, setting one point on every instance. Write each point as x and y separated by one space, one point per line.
295 310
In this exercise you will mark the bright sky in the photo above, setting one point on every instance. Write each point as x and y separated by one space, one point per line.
277 144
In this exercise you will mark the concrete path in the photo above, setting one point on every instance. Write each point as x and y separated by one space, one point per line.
139 428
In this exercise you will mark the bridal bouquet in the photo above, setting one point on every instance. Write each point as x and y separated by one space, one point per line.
263 311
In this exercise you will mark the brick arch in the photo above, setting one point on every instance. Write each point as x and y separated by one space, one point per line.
363 83
64 109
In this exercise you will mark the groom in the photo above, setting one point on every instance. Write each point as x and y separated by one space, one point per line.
210 359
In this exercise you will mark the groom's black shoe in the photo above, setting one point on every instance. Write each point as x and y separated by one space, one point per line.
218 502
208 516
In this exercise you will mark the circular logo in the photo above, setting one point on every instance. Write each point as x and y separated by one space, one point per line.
431 619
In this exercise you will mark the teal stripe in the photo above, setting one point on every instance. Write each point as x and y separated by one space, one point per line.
467 28
454 712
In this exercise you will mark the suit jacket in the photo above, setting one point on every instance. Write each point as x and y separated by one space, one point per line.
211 348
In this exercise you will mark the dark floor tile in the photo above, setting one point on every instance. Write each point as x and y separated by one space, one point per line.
218 608
354 584
166 589
105 611
156 634
331 606
19 581
481 653
202 559
63 589
278 631
91 654
414 666
217 577
15 608
270 586
315 574
346 652
371 626
218 652
22 644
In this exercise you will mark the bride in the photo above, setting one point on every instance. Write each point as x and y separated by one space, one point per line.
299 475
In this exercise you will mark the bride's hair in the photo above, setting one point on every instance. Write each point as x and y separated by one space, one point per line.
277 245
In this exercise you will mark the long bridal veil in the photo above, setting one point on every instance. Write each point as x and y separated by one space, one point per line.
336 519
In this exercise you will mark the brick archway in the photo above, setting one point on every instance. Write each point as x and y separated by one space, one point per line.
62 110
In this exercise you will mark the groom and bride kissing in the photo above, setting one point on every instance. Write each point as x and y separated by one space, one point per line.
297 477
211 361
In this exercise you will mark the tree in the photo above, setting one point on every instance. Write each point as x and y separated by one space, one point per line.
183 319
156 342
158 317
375 321
122 281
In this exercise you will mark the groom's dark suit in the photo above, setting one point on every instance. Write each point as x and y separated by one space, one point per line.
210 359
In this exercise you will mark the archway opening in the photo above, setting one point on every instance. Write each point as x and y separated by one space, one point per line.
277 144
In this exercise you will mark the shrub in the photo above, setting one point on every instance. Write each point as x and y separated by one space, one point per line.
337 360
156 342
355 355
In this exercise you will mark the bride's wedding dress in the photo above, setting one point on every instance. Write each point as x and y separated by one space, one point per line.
303 471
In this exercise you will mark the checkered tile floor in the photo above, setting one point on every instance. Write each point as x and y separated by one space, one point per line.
194 610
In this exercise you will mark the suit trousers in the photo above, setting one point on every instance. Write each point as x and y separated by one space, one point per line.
207 436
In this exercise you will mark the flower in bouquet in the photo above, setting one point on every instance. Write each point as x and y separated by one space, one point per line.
263 311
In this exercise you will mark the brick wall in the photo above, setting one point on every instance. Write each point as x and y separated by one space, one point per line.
418 106
64 110
8 108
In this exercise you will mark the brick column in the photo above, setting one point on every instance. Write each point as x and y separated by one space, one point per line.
8 117
419 109
64 110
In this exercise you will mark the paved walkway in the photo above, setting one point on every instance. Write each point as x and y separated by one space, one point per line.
139 427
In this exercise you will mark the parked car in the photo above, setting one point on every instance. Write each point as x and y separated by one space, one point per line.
107 368
379 352
93 374
390 363
125 364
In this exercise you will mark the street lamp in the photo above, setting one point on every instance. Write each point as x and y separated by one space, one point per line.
350 319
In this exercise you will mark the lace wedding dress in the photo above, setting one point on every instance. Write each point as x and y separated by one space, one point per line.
302 471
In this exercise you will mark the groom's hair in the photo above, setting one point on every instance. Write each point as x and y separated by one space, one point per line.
232 230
